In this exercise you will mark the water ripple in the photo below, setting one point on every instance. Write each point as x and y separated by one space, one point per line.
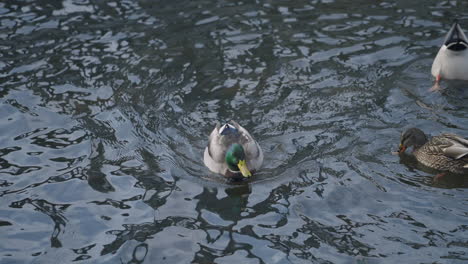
107 107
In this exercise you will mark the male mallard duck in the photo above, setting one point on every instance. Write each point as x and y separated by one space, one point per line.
232 151
451 61
447 152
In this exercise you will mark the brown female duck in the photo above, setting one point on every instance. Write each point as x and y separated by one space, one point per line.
446 152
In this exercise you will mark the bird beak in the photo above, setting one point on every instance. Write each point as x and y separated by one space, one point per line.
401 149
243 169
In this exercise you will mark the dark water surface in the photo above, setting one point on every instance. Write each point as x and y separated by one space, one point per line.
106 108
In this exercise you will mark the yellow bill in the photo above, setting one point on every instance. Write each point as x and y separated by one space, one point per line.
243 169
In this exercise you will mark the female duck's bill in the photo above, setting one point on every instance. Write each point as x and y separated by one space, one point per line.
451 61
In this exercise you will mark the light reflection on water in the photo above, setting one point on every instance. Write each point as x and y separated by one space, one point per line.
107 108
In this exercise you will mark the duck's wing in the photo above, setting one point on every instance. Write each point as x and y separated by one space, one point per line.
454 146
216 149
450 145
214 165
213 156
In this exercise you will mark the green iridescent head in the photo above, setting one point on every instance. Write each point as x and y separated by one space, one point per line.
235 159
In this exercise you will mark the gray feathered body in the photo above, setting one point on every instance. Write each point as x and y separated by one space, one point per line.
218 144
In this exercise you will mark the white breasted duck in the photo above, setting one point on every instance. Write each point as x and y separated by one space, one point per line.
451 62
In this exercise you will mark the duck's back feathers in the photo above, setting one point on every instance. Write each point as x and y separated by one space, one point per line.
455 147
445 152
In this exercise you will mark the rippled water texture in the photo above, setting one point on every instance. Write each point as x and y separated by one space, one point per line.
106 108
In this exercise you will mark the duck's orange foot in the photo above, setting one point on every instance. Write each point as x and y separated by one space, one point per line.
436 86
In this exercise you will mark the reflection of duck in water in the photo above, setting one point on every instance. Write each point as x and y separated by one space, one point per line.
229 207
232 151
451 61
446 152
